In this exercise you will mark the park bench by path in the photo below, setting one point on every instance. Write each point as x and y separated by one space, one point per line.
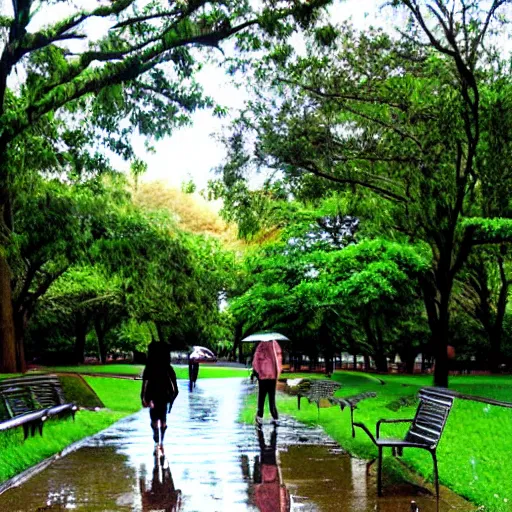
30 401
316 390
424 433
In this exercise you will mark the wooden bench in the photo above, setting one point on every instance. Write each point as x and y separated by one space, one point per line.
424 433
30 401
316 390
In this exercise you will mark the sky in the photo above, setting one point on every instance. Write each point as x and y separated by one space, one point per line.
192 152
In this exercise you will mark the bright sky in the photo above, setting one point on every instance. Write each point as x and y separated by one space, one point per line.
192 152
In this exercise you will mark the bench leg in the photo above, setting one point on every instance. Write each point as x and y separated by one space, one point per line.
26 429
436 474
298 401
368 466
379 476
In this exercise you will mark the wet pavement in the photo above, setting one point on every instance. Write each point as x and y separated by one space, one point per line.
213 463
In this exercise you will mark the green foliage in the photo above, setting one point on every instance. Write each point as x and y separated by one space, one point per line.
309 285
488 230
417 126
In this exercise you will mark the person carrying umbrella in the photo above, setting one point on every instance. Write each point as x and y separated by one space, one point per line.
267 364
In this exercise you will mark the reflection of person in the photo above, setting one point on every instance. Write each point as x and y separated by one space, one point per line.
270 493
159 389
162 495
193 372
267 364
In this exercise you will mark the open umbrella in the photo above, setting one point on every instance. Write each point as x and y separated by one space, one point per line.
202 355
265 336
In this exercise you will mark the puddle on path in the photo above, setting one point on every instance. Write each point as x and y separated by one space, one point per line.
212 464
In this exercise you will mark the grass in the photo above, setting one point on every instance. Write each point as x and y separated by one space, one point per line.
121 397
205 371
474 450
77 390
112 369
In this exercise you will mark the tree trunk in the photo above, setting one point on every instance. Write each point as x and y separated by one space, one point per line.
238 344
100 334
7 332
496 332
355 362
329 366
81 333
20 326
381 360
366 362
440 341
409 362
436 300
160 331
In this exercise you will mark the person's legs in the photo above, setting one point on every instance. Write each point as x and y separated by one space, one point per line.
272 399
262 394
158 415
161 412
154 424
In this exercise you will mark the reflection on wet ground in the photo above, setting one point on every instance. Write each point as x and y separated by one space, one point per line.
212 463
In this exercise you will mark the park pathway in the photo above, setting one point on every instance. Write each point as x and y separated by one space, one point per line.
212 464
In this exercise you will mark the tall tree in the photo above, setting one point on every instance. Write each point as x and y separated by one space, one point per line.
399 117
142 70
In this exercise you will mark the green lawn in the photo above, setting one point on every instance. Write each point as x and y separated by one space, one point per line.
120 396
474 452
205 371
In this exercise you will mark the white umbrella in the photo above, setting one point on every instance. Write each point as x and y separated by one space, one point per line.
265 336
202 354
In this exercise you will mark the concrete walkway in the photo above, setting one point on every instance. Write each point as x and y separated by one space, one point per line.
212 463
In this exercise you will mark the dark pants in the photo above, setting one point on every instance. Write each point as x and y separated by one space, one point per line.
267 387
193 372
158 412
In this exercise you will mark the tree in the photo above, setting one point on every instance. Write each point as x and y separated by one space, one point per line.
142 70
53 232
325 291
402 118
84 296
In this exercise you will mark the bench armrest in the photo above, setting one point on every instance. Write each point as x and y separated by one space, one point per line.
409 420
365 428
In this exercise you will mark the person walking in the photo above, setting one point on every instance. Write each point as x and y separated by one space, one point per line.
267 364
193 372
159 390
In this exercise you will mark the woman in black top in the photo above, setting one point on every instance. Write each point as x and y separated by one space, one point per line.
159 389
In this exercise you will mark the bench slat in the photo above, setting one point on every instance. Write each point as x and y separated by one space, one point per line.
30 400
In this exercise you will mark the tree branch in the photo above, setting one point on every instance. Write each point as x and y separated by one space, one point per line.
120 72
374 99
311 167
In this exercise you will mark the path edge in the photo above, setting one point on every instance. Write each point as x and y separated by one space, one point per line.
25 475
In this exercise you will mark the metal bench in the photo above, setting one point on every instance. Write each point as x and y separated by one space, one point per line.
425 431
316 390
352 401
30 401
